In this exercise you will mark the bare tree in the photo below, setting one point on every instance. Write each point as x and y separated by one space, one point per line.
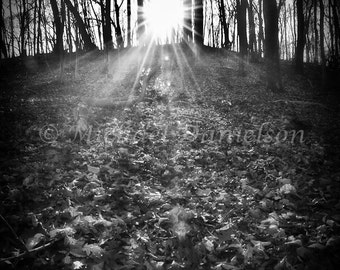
187 24
106 23
3 50
88 44
225 25
241 6
335 9
47 39
211 30
261 33
99 23
316 34
252 34
307 29
35 10
330 25
12 27
322 42
61 48
69 32
39 32
140 21
301 37
285 32
128 11
270 12
58 46
22 20
198 22
118 29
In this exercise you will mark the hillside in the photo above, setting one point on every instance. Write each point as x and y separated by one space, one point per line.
181 164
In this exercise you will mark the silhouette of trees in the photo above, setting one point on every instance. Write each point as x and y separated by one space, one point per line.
308 31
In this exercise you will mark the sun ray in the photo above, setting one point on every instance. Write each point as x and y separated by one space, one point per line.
184 64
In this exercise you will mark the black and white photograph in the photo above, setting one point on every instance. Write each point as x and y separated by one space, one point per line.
169 134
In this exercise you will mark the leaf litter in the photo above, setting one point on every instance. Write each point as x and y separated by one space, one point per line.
192 177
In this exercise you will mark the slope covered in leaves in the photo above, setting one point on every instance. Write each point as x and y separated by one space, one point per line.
208 171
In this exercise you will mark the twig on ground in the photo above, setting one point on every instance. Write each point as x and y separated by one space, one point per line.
28 252
13 232
301 102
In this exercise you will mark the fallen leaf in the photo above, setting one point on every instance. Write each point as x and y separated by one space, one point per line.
34 241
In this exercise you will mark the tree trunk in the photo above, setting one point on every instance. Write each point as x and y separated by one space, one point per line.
58 46
103 23
12 27
252 35
261 34
69 32
3 50
128 23
23 28
212 30
140 21
272 45
119 36
198 23
330 24
88 44
336 28
316 34
45 31
285 31
99 24
235 40
61 48
294 26
107 33
301 37
28 32
308 42
241 25
39 34
226 43
322 43
35 10
187 25
86 18
241 6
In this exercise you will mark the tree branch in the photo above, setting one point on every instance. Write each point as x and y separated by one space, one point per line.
27 252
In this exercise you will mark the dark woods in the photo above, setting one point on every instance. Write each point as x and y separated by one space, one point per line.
298 31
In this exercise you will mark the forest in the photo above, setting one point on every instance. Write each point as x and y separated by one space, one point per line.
299 31
170 134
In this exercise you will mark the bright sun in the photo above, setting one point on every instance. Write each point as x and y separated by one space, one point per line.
163 17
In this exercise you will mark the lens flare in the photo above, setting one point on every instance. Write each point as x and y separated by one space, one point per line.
163 18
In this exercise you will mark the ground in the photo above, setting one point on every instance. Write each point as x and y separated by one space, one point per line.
174 161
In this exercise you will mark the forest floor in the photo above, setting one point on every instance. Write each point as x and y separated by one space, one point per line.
209 170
